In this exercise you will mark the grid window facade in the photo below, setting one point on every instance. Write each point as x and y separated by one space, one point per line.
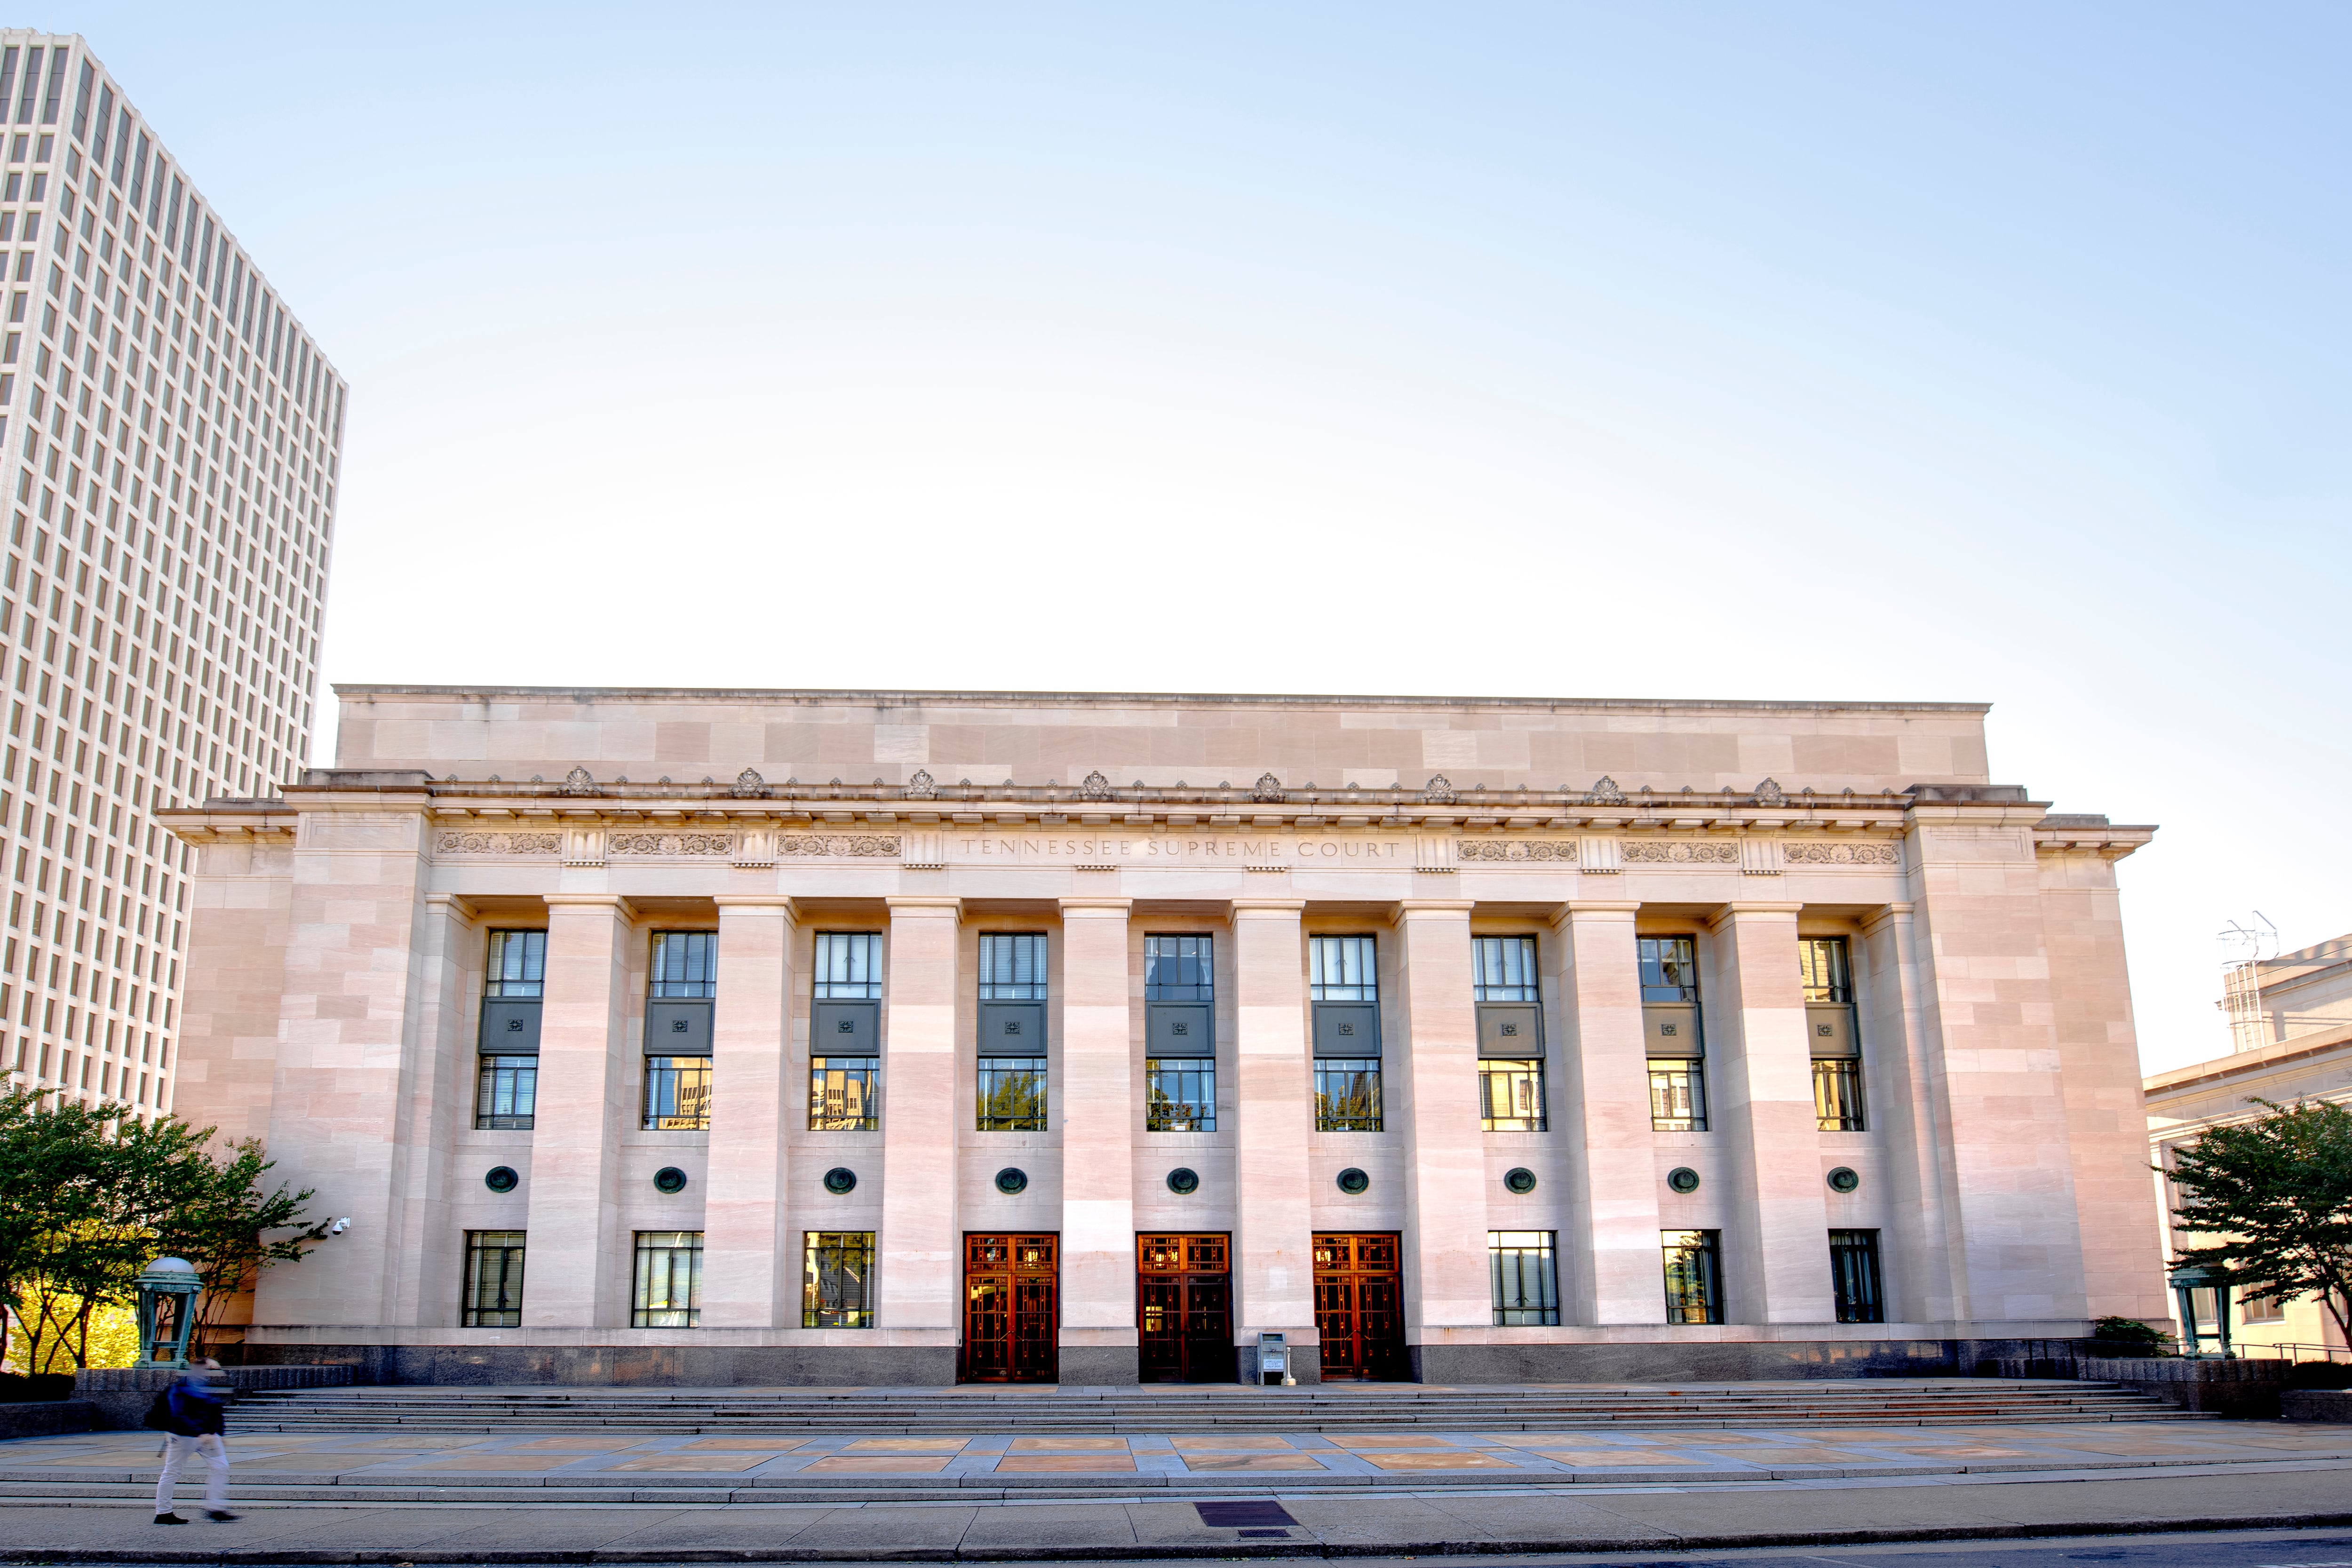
1011 1094
1181 968
1347 1094
1524 1270
507 1093
1012 966
1669 968
1694 1261
170 449
1343 969
677 1094
1180 1094
1511 1095
1854 1276
838 1279
685 965
1823 962
1837 1094
667 1280
844 1094
1677 1096
494 1279
1503 969
849 966
517 965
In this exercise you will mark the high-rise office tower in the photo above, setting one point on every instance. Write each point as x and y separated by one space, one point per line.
170 437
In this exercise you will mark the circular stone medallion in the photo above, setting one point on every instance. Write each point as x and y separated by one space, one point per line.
1352 1181
500 1178
1683 1179
840 1179
1843 1180
1182 1180
1519 1178
670 1179
1012 1179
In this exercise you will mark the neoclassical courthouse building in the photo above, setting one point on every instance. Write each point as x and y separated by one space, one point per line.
712 1036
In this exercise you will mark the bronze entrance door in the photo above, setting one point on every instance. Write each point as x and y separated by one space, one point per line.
1183 1303
1359 1307
1012 1308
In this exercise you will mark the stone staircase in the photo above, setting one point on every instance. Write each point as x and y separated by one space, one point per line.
1889 1402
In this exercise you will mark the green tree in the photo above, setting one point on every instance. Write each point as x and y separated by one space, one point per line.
2274 1194
213 1210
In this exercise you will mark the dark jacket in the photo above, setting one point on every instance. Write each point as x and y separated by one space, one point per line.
200 1400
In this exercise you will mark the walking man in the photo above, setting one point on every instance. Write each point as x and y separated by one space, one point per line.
198 1399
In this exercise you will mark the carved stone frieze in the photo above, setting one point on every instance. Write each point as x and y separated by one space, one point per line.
877 845
456 843
1841 854
1517 849
669 844
1677 852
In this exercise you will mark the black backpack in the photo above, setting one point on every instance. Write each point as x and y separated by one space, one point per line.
160 1417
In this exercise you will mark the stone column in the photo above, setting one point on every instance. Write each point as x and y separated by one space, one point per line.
1274 1115
436 1099
1901 1100
1760 1094
590 1085
1099 1112
1603 1085
921 1286
1446 1287
749 1257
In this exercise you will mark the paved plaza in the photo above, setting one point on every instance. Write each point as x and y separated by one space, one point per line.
409 1497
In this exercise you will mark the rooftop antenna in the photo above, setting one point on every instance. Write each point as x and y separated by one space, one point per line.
2245 948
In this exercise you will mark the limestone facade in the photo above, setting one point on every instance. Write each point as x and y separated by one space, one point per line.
1593 906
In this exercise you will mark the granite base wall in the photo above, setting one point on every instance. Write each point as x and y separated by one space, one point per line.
1735 1361
622 1366
2316 1405
47 1418
1100 1365
2242 1389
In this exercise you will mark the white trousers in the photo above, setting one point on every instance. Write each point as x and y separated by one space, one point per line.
176 1452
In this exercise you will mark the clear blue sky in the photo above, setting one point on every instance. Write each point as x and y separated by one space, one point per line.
1989 352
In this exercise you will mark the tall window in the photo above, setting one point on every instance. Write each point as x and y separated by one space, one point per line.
1694 1276
668 1281
685 978
1821 960
1670 1022
686 964
494 1279
844 1063
1525 1277
838 1279
1012 1062
677 1094
2261 1309
1344 986
1824 967
1854 1276
1180 1069
1508 993
506 1091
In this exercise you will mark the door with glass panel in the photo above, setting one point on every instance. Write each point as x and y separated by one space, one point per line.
1359 1307
1012 1308
1183 1294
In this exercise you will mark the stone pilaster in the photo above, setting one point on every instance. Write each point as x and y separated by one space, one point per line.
437 1100
1902 1097
1761 1089
920 1270
1100 1109
591 1084
749 1249
1610 1259
1273 1241
1446 1289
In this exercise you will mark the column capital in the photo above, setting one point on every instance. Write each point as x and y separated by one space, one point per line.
450 904
1096 908
1404 909
617 902
1261 909
756 902
1727 914
924 904
1877 918
1563 914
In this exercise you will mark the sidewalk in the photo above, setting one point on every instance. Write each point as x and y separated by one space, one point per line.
1406 1520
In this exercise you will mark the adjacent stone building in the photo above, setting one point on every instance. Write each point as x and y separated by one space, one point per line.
805 1037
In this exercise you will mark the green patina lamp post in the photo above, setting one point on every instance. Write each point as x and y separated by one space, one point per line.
167 1312
2186 1282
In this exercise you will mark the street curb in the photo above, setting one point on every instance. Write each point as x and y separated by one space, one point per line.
1227 1550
